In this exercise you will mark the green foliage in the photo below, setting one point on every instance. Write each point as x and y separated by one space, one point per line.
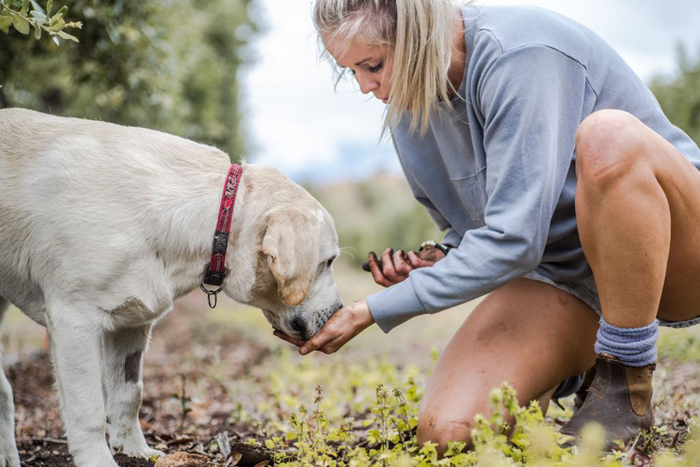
169 65
22 15
389 438
680 344
679 95
367 413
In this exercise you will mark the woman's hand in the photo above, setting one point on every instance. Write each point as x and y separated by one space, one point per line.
345 324
290 339
395 266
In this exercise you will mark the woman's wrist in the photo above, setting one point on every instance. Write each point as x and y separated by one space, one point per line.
363 314
445 248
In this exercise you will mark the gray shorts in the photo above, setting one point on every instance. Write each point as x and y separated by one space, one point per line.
587 292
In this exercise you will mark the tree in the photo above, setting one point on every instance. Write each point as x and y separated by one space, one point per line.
170 65
679 95
23 15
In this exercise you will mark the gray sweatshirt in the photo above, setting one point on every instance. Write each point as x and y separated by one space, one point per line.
499 171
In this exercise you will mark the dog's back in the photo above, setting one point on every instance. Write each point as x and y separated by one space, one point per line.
26 134
73 188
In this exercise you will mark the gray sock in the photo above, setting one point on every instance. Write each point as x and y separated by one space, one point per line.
631 346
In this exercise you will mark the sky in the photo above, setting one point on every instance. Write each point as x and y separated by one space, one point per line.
297 122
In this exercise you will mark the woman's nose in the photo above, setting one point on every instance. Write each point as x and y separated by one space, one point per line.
367 85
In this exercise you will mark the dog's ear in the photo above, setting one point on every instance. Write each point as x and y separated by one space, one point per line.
291 245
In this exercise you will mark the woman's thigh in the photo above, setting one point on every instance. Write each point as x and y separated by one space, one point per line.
527 333
680 181
612 139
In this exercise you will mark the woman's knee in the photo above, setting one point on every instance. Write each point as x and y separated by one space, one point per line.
441 427
608 144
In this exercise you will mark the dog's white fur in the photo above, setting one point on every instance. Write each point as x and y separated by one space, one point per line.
103 226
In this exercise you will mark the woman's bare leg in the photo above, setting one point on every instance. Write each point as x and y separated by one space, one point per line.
638 211
638 208
527 333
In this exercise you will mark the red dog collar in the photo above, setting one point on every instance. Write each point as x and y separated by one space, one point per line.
217 265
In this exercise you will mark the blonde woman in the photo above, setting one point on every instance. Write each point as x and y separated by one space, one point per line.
565 192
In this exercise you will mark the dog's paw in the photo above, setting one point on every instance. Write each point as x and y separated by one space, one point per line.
8 453
135 446
9 460
94 460
131 442
143 452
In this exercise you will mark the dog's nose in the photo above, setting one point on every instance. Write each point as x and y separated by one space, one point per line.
299 325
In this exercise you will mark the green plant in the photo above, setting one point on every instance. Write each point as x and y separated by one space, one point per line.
23 15
367 412
381 431
166 65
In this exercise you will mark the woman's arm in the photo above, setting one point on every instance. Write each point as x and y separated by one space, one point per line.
532 101
532 104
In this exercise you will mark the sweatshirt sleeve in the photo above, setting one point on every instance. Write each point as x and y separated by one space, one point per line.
452 237
531 100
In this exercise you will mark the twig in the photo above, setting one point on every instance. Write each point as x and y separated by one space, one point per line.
50 440
630 451
675 439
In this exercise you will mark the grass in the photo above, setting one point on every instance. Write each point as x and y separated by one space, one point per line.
680 344
359 407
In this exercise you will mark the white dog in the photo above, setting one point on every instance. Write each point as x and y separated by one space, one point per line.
103 226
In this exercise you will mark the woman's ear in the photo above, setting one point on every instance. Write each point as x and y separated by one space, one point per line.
291 245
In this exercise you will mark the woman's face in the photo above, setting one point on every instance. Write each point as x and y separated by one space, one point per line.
370 65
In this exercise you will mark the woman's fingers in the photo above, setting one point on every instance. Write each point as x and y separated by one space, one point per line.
430 254
290 339
418 262
401 265
388 264
376 271
394 267
345 324
390 269
333 330
324 336
331 338
333 346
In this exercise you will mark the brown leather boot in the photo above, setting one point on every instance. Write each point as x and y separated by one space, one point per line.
619 399
583 390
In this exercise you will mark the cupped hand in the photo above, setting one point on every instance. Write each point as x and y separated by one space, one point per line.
290 339
394 267
345 324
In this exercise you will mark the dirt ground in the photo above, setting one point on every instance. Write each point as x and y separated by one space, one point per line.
188 403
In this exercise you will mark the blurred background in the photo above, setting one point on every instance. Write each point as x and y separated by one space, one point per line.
245 76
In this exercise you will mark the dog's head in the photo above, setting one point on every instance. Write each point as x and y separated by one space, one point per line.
284 253
297 245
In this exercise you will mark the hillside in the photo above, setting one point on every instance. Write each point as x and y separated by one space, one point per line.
377 213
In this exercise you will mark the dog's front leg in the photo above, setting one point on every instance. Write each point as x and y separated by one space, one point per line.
8 448
123 354
75 351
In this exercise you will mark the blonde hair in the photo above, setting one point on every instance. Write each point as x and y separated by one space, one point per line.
419 33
